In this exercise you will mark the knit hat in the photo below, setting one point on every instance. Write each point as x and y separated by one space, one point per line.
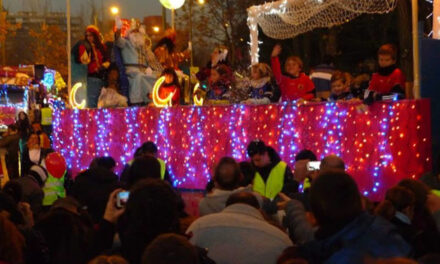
38 173
93 29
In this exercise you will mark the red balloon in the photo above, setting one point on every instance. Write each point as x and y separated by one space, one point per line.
56 165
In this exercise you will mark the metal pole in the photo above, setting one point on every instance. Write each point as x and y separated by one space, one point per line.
173 18
191 32
69 44
3 43
164 18
416 56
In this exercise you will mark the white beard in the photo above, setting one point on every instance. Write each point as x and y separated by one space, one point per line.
137 39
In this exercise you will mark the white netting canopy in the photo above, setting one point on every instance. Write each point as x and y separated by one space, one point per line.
289 18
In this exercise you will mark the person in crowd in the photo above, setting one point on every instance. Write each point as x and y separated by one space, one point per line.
170 249
227 177
389 82
148 149
398 208
346 233
103 162
321 77
294 84
33 154
68 237
44 138
241 231
31 185
11 141
92 53
12 242
171 86
151 210
114 259
140 63
332 162
110 96
221 82
92 189
272 175
247 172
423 219
340 87
24 129
262 89
142 168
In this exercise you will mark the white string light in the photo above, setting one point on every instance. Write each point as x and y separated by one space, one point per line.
288 18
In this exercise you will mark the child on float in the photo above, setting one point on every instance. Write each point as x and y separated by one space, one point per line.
110 96
293 83
388 83
221 82
340 87
171 85
261 87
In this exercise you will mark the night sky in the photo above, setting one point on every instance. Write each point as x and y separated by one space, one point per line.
129 8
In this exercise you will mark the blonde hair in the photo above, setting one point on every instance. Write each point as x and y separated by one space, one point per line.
295 59
263 69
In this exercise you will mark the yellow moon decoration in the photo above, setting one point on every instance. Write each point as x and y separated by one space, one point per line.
72 98
159 102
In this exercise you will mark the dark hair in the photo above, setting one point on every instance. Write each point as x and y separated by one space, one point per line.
388 49
256 147
151 210
419 189
103 162
339 76
335 200
171 71
305 154
14 190
400 197
69 239
248 172
142 168
97 41
170 249
112 67
147 148
227 184
243 198
8 204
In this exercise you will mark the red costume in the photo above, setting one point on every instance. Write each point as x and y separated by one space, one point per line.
165 90
384 84
292 88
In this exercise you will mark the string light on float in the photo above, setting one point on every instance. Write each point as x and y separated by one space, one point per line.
72 97
159 102
197 101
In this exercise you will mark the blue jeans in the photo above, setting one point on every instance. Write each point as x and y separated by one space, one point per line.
94 86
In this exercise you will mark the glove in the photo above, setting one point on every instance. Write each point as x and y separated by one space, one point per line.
118 22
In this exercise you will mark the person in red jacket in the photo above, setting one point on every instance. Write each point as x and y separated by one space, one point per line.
388 83
294 84
171 85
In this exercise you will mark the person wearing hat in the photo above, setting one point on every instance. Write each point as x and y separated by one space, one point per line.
272 175
140 64
92 52
31 185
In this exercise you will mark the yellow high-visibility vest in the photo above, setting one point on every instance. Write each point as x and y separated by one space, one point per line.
46 116
163 168
274 184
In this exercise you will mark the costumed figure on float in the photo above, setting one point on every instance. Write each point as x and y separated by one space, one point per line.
140 64
89 62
